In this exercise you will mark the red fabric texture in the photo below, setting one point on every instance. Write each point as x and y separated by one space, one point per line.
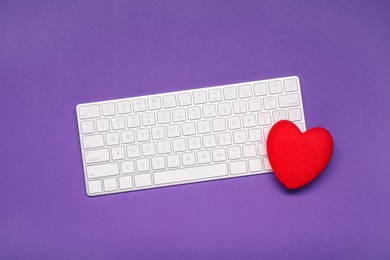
298 158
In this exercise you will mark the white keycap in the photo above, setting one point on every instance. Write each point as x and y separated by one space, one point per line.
260 89
179 145
224 109
249 121
163 117
169 101
215 95
101 155
194 143
255 135
139 105
224 139
95 186
238 167
148 119
200 97
194 113
90 111
275 87
142 165
133 121
266 131
239 137
173 131
203 127
148 149
179 115
294 114
230 93
204 157
269 103
255 165
188 128
154 103
254 104
249 150
234 152
158 163
239 107
279 115
118 153
118 122
110 184
262 149
163 147
234 122
127 167
87 127
245 91
219 124
143 180
158 132
290 100
123 107
209 111
125 182
112 139
264 118
173 161
93 141
267 165
109 109
142 134
219 155
102 170
290 85
194 173
127 137
188 159
209 141
184 99
133 151
103 125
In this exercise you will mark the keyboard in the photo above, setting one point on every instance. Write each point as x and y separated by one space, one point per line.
183 137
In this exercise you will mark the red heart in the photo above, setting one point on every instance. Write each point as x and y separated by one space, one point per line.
298 158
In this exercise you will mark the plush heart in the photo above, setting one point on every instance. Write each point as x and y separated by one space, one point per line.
298 158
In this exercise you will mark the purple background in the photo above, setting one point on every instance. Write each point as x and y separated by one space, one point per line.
57 54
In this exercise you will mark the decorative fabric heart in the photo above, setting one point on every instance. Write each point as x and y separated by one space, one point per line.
298 158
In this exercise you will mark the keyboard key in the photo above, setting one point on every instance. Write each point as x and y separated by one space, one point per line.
103 125
269 103
254 104
133 121
245 91
93 141
290 100
142 165
164 147
266 131
254 135
194 113
262 149
234 122
239 107
249 121
195 173
203 126
133 151
224 109
158 163
123 107
173 161
148 119
219 124
249 150
102 170
109 109
125 182
188 159
118 153
290 85
215 95
95 156
279 115
255 165
294 114
209 141
158 132
275 87
90 111
264 118
179 145
142 134
87 127
234 152
184 99
238 167
118 122
142 180
267 165
169 101
194 143
188 128
260 89
179 115
224 139
139 105
200 97
112 139
110 184
127 137
230 93
209 111
127 167
173 131
148 149
219 155
239 137
163 117
204 157
154 103
95 186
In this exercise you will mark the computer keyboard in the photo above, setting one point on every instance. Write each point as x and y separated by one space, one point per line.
185 136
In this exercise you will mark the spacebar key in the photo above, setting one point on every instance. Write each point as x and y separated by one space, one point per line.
190 174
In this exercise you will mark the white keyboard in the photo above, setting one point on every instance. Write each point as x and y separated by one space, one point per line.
185 136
